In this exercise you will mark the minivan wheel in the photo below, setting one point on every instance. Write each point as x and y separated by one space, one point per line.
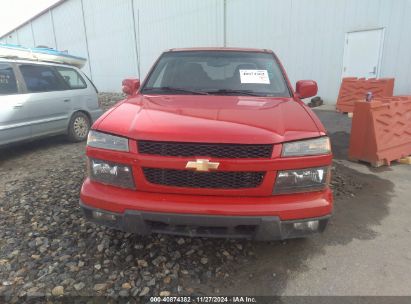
79 127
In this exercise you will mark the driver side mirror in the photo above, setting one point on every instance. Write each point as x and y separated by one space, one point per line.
130 86
306 88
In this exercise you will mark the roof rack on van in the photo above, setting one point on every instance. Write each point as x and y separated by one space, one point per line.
40 53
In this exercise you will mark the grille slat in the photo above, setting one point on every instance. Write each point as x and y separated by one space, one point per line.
211 180
204 149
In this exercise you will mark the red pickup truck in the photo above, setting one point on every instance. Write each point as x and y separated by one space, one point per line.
214 143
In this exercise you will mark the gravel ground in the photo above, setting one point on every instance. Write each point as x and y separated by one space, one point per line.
47 248
107 99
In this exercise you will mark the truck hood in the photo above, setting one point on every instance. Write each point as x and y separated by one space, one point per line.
205 118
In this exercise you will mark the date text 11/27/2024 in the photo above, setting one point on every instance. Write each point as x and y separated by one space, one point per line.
203 299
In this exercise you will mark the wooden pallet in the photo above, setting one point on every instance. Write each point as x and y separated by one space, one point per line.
349 114
376 164
380 163
405 160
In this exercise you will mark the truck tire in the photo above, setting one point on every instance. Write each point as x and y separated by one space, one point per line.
78 127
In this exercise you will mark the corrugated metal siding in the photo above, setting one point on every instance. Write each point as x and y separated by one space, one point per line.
43 31
71 35
26 35
11 38
109 29
396 60
165 24
307 35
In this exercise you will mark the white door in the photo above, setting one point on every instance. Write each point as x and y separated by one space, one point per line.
362 53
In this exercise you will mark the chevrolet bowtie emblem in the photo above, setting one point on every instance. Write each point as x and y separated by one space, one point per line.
203 165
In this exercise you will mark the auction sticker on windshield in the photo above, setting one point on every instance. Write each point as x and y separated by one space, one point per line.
254 76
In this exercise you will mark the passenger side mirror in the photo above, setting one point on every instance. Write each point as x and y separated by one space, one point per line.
306 88
130 86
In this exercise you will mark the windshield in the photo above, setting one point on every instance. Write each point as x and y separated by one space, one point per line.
217 72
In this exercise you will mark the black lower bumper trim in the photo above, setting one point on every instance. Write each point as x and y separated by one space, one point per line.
262 228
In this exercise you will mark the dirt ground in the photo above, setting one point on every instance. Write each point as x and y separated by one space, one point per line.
46 247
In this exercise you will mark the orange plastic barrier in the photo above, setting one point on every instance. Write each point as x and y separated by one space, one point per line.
381 130
353 89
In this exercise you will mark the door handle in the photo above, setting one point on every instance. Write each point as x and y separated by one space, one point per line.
66 100
18 106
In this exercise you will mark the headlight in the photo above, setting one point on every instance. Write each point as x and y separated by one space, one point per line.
302 180
111 173
314 146
106 141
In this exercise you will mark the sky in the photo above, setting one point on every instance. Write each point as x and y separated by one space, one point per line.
15 12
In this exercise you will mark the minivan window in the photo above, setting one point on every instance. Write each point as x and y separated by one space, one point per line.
8 83
41 78
218 73
72 78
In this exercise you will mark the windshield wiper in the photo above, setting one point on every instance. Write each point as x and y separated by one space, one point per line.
172 89
234 92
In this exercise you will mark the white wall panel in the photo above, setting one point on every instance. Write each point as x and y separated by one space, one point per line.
317 44
12 38
165 24
109 30
26 35
308 36
260 25
43 31
396 60
69 29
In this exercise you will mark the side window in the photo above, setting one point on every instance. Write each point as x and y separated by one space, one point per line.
72 78
41 78
8 84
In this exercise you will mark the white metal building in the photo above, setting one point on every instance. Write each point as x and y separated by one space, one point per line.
322 40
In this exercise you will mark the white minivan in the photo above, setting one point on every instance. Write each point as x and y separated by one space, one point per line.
39 99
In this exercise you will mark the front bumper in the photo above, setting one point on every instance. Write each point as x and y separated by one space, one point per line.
261 228
287 207
260 218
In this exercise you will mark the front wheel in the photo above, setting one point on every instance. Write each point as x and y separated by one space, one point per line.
78 127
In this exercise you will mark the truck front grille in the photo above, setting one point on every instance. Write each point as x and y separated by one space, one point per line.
211 180
185 149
